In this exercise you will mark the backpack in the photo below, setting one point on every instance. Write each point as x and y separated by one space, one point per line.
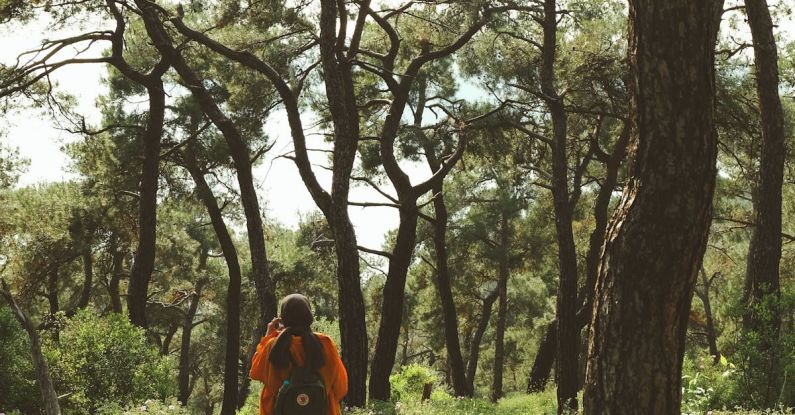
302 393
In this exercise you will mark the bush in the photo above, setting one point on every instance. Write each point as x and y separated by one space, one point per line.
19 390
99 361
708 386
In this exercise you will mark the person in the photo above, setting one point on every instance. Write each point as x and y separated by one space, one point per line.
289 341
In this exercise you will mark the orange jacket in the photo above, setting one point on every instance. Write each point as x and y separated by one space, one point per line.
332 372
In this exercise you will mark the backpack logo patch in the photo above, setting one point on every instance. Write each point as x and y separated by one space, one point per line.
302 399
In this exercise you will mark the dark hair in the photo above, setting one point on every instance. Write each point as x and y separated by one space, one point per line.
296 315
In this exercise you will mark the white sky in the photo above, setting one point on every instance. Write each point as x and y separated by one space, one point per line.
285 196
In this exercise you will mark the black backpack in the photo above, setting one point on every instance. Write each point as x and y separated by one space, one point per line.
302 393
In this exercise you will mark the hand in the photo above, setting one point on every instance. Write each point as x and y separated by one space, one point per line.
274 326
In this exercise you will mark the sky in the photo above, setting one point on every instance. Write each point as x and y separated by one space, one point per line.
285 197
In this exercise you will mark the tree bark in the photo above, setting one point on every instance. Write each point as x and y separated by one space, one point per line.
764 253
477 338
392 306
48 396
656 240
502 311
545 358
703 295
113 285
568 336
88 272
443 284
229 404
144 262
183 377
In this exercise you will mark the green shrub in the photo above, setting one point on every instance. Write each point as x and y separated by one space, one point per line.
19 390
148 407
99 361
707 386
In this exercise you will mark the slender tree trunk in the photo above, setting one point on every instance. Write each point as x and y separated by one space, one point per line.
502 311
392 306
764 254
568 335
48 396
656 240
338 81
52 291
144 262
183 377
115 276
703 295
229 404
88 271
443 285
545 358
477 338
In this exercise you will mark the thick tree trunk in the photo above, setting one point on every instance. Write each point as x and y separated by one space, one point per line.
48 396
144 262
764 254
392 306
502 312
183 377
656 240
568 335
229 404
477 338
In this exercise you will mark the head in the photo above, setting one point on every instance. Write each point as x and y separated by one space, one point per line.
295 311
296 314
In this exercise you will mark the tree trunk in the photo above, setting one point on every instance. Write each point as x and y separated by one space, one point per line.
764 254
229 404
144 262
392 306
456 362
545 359
88 271
338 81
48 396
656 240
183 377
502 312
477 338
703 295
568 335
52 291
113 285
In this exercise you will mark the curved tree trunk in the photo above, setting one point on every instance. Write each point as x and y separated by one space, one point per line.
88 272
392 306
183 377
117 262
48 396
658 234
545 358
229 404
477 338
764 253
443 284
144 262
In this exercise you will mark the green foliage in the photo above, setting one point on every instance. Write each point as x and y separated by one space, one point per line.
706 385
18 389
407 385
148 407
104 360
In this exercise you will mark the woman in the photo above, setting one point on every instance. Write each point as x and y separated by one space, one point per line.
296 344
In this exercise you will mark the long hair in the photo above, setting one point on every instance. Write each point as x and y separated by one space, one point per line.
297 318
